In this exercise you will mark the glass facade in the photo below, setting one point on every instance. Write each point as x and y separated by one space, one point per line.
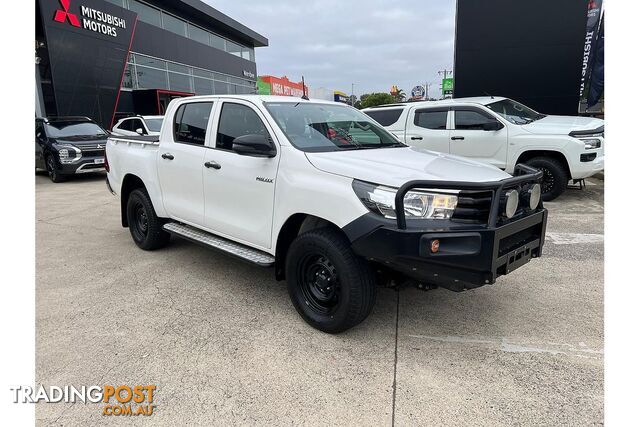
145 72
154 16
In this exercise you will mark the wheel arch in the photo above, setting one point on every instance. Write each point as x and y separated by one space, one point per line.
295 225
130 182
530 154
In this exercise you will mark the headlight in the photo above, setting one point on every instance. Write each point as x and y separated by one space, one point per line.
68 153
417 203
591 143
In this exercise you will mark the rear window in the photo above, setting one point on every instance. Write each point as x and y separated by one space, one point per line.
385 117
431 119
190 125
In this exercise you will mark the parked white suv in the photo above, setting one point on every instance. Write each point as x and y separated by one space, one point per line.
325 195
138 125
502 133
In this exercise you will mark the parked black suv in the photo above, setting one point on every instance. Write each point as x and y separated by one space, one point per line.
69 145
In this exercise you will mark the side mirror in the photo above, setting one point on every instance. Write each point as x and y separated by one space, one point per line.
140 131
253 145
495 125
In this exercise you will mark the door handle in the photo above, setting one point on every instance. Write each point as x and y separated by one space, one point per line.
413 138
168 156
212 164
453 138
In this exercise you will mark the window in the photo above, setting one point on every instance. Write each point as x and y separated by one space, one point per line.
137 124
179 82
173 24
146 13
237 120
127 78
202 86
217 42
125 125
385 117
471 120
190 124
150 78
150 62
431 119
198 34
234 48
221 88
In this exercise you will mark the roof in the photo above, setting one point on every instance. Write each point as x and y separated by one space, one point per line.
206 13
263 98
482 100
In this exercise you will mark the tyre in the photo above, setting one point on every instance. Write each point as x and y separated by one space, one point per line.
554 179
330 286
54 175
145 227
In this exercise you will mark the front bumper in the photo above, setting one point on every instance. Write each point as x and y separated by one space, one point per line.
84 165
467 258
468 255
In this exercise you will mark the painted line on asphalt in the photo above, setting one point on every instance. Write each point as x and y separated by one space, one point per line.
573 238
509 346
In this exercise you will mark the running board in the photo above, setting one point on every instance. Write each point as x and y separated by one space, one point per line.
254 256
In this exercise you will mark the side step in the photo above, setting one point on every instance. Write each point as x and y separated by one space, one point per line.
254 256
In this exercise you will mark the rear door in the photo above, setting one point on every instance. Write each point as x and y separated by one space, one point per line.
239 189
469 138
181 161
427 128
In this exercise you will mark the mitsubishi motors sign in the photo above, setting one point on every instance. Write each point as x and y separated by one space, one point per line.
88 17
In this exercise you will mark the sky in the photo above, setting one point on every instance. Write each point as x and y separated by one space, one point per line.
372 43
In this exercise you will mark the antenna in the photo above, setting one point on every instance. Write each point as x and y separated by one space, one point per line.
304 90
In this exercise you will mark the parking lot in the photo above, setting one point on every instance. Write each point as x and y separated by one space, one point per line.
224 345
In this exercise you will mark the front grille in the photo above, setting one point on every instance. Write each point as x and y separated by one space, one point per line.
93 153
473 207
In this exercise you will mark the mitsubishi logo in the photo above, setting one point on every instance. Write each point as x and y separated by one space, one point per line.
100 146
63 15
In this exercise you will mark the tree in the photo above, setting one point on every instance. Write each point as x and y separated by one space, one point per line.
399 96
373 99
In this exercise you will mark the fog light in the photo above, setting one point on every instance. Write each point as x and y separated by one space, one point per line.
435 246
534 196
512 203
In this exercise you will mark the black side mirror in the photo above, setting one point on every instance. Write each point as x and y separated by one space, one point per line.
254 145
495 125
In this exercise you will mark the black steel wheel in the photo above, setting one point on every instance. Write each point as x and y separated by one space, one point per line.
555 177
329 285
145 227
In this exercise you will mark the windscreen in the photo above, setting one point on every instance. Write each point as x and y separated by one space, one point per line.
515 112
64 129
325 127
154 125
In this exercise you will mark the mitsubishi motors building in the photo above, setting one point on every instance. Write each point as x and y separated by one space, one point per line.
109 58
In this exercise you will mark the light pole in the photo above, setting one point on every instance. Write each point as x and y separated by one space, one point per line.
352 85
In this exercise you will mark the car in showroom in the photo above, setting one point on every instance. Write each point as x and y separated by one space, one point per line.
503 133
325 195
138 125
67 146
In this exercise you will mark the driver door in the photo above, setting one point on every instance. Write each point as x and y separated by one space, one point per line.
239 189
469 138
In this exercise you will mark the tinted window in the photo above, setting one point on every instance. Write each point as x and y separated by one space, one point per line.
137 124
190 123
471 120
145 13
385 117
431 119
237 120
125 125
62 129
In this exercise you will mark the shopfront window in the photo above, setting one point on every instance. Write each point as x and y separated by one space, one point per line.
146 13
173 24
150 78
198 34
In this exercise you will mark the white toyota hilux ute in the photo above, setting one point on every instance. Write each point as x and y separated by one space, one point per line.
329 198
502 133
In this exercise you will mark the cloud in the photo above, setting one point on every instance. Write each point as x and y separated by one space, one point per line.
374 43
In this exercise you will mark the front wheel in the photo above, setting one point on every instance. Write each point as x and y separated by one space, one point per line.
554 176
329 285
54 175
145 227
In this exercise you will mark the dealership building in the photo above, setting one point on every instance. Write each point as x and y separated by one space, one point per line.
109 58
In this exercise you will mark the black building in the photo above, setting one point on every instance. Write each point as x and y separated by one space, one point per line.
106 58
532 52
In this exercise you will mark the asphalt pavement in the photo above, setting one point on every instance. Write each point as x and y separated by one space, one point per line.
224 346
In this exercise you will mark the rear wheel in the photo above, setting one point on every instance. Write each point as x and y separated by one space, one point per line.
329 285
554 176
54 175
145 227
